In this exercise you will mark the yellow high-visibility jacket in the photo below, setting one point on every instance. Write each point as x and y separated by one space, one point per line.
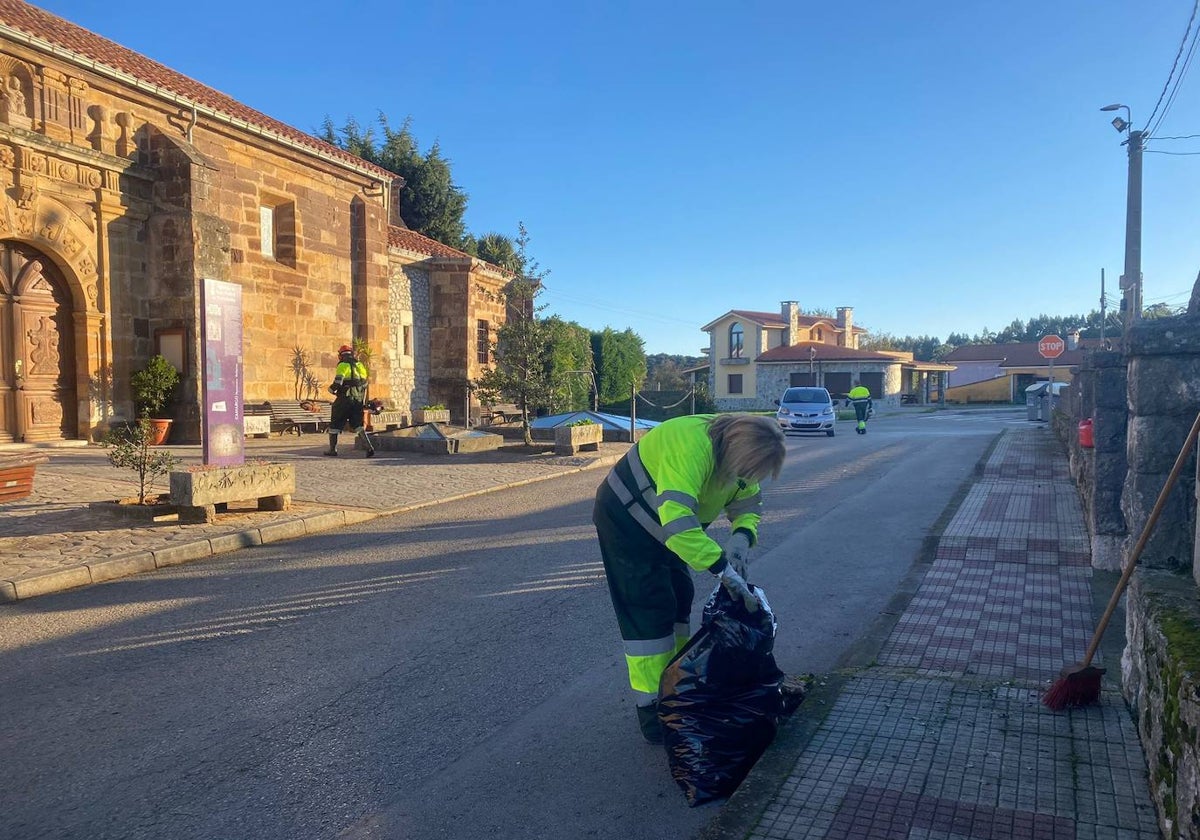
667 483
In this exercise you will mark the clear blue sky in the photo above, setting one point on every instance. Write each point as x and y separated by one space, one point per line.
939 166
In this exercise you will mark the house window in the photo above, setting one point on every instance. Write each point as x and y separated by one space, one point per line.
277 230
736 341
818 335
735 383
406 339
482 345
266 230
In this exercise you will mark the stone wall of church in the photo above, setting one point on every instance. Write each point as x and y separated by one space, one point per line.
138 200
461 295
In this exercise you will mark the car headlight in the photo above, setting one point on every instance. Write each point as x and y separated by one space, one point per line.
783 411
827 410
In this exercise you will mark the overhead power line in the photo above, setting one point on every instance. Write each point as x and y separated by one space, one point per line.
1178 137
1161 152
1170 76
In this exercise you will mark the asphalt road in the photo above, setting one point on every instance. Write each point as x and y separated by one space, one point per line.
450 673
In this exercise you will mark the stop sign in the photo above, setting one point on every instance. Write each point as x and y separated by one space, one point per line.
1051 346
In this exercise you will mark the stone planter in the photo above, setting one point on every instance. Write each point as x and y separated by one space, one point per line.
431 415
571 439
16 475
200 493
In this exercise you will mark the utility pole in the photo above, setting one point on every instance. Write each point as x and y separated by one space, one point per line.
1102 315
1131 282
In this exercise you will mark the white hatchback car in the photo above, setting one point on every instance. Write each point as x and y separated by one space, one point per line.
806 409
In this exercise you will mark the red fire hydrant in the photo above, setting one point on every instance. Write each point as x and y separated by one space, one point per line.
1085 433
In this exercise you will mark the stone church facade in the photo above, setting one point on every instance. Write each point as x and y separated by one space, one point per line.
124 184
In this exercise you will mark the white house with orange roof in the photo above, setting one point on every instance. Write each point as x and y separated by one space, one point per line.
755 356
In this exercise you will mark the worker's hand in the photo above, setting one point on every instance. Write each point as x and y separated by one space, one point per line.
736 586
737 552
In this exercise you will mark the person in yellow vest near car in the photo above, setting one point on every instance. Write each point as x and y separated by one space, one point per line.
651 514
860 398
350 390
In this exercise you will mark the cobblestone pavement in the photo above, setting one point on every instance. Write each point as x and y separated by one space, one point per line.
53 540
944 736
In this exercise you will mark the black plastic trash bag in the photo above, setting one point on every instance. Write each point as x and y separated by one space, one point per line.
719 700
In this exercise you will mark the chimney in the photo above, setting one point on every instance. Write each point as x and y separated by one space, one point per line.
790 310
845 320
394 192
1073 340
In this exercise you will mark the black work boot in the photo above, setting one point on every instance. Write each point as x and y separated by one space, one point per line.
648 723
332 446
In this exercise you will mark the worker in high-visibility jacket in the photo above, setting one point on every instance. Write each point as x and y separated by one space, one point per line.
860 398
651 514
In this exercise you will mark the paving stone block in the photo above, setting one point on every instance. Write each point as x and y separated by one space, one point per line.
232 542
54 580
282 531
175 554
324 521
8 592
117 567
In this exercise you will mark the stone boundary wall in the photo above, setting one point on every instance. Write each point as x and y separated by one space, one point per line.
1143 402
1160 677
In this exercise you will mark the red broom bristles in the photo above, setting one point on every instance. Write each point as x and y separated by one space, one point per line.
1076 686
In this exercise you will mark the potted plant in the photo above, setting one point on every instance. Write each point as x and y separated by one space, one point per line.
153 387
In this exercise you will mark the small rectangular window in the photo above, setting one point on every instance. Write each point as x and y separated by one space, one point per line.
266 230
482 343
735 383
406 339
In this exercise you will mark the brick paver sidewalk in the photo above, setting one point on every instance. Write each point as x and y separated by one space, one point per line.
945 738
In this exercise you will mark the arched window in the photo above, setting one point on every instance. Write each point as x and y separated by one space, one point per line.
736 340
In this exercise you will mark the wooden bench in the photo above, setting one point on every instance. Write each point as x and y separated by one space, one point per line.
291 416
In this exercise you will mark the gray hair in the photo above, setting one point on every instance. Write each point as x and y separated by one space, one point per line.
746 446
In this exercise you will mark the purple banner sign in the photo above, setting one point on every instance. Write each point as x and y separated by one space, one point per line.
221 327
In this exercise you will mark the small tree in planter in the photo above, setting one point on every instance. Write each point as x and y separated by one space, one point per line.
153 386
130 449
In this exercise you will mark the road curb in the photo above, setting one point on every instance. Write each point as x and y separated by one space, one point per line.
86 573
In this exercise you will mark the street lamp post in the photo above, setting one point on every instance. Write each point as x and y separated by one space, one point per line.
1131 280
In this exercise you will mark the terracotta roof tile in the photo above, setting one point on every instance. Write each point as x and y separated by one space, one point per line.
825 353
410 240
86 44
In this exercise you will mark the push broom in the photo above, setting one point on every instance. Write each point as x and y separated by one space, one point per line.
1079 685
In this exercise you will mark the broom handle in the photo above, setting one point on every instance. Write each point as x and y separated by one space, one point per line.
1184 452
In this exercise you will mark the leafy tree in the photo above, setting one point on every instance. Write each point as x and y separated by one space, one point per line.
499 250
1162 310
523 371
620 360
432 204
570 355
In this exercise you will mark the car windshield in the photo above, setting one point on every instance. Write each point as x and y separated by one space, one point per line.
805 395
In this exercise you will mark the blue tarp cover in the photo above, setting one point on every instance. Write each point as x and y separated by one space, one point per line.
608 421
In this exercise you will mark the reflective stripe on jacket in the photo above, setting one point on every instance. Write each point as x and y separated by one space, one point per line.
666 482
351 381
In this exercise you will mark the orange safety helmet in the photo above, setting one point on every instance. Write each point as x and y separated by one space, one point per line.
345 348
